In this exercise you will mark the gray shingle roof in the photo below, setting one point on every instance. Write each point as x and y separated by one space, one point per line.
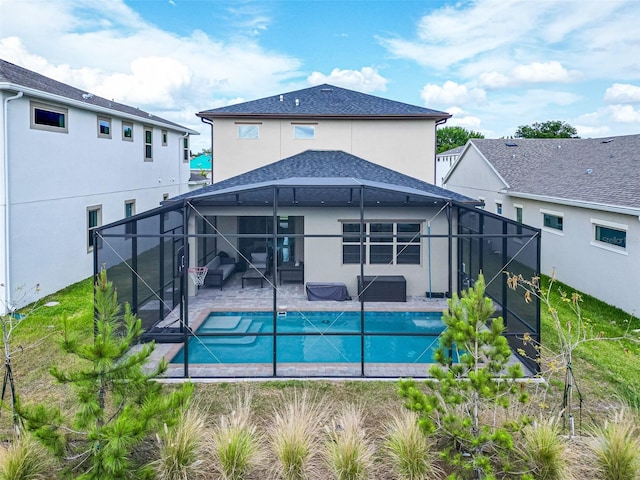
598 170
18 76
324 101
324 164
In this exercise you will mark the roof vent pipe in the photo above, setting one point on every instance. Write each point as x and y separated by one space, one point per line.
282 98
297 102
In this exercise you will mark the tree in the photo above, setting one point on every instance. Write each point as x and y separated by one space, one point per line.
550 129
118 404
463 401
452 137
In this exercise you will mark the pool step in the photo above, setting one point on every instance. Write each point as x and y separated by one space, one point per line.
253 327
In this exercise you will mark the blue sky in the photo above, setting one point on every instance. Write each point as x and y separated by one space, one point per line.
493 64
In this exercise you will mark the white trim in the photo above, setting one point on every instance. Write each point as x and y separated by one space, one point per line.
552 212
608 247
578 203
47 107
606 223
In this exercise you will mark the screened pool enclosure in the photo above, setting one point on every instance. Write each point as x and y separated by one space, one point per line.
350 233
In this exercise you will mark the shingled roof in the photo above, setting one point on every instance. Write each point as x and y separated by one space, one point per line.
13 77
324 101
594 170
324 165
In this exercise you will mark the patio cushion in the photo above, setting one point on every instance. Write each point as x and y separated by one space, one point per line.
214 264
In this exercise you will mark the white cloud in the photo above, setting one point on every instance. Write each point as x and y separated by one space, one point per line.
622 93
461 118
367 79
494 80
107 49
624 114
451 93
536 72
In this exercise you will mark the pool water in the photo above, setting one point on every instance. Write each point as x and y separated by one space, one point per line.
315 337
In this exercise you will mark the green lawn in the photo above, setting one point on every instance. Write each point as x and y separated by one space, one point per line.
606 371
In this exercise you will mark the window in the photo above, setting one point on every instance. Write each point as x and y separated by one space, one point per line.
165 197
304 132
498 208
94 219
127 131
48 117
129 208
386 243
104 127
518 214
185 149
552 221
129 211
164 138
248 131
616 237
148 138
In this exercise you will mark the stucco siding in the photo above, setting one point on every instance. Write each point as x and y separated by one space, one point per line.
402 145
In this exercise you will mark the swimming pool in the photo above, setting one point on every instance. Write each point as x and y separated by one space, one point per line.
315 337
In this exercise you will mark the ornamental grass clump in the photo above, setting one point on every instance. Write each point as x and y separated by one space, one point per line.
545 452
410 451
349 453
294 436
616 447
235 443
182 448
25 459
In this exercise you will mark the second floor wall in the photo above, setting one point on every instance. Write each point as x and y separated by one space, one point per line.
241 145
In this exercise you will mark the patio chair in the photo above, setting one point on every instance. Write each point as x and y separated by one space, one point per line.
259 261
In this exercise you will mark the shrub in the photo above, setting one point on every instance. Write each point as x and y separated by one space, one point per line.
616 445
545 452
182 447
410 450
235 443
25 459
294 437
349 453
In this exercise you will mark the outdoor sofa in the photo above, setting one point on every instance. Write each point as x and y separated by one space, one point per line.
220 269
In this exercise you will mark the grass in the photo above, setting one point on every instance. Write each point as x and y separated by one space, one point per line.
607 373
25 459
545 452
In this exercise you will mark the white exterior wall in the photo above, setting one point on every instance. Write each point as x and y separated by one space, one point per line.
55 176
323 256
596 269
443 165
407 146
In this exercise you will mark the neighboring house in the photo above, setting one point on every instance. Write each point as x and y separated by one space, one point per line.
583 193
444 162
200 170
392 134
73 161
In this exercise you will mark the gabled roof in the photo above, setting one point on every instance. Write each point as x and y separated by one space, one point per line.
602 171
324 101
325 169
13 77
453 151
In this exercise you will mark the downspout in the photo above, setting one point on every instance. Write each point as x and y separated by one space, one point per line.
209 122
7 210
435 150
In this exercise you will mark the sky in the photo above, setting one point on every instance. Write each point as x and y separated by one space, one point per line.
493 64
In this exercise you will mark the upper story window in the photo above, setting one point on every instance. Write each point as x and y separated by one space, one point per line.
148 144
609 235
104 127
304 132
49 117
165 138
129 208
499 208
248 131
185 149
552 221
127 131
518 211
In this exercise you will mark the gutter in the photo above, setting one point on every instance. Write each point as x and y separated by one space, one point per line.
7 197
31 92
577 203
